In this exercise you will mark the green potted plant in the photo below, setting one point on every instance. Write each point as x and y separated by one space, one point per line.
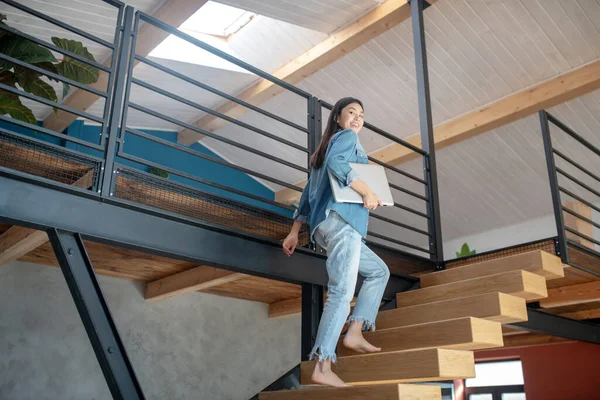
31 81
465 251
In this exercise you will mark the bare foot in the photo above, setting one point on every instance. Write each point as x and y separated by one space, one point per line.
323 375
359 344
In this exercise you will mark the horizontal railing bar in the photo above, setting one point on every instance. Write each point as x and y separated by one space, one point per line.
186 149
219 93
589 271
395 139
114 3
51 103
581 217
53 75
575 164
53 146
581 200
585 250
203 181
572 133
412 246
56 22
55 48
420 214
415 178
213 135
577 181
400 224
581 235
47 131
418 196
176 32
202 131
383 133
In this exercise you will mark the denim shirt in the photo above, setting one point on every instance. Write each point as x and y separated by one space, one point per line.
317 198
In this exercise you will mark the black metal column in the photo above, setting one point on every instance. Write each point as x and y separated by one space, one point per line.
314 126
554 190
81 279
117 105
312 295
426 124
312 308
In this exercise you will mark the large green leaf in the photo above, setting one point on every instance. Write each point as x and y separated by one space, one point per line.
75 69
24 50
8 78
41 88
12 106
48 66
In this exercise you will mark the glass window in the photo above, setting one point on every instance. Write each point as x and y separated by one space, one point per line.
482 396
513 396
501 373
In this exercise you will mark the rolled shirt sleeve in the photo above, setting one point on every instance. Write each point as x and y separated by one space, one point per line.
342 148
303 211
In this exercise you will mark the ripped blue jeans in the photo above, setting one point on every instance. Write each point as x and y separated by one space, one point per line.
347 257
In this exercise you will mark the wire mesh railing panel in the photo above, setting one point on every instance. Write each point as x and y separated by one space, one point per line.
159 193
48 161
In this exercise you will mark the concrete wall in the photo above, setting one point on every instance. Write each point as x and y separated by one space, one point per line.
195 346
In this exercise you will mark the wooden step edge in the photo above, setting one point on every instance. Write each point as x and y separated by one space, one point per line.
518 283
538 262
392 391
465 333
399 367
499 307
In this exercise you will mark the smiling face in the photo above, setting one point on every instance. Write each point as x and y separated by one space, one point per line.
352 117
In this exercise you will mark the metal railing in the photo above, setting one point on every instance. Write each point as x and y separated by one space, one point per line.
558 174
422 200
119 170
38 145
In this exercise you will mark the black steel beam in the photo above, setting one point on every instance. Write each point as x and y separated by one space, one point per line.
99 325
427 138
116 106
40 204
554 325
312 308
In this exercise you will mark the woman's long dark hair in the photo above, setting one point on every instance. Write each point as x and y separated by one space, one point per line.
318 157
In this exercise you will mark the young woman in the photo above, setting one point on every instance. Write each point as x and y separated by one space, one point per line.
339 228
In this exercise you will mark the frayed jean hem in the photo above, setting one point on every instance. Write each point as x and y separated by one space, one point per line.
366 324
317 354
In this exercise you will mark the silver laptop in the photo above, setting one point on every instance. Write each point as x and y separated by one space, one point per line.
373 175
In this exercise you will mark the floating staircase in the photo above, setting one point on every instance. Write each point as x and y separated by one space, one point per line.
432 333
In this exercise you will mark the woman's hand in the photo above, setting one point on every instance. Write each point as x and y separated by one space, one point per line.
290 243
371 201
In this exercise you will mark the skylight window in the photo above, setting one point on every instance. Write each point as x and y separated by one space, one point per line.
214 24
218 20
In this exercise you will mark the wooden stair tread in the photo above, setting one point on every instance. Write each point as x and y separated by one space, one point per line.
498 307
399 366
371 392
518 283
537 262
458 334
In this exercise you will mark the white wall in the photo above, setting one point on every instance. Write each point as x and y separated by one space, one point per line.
527 231
194 346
